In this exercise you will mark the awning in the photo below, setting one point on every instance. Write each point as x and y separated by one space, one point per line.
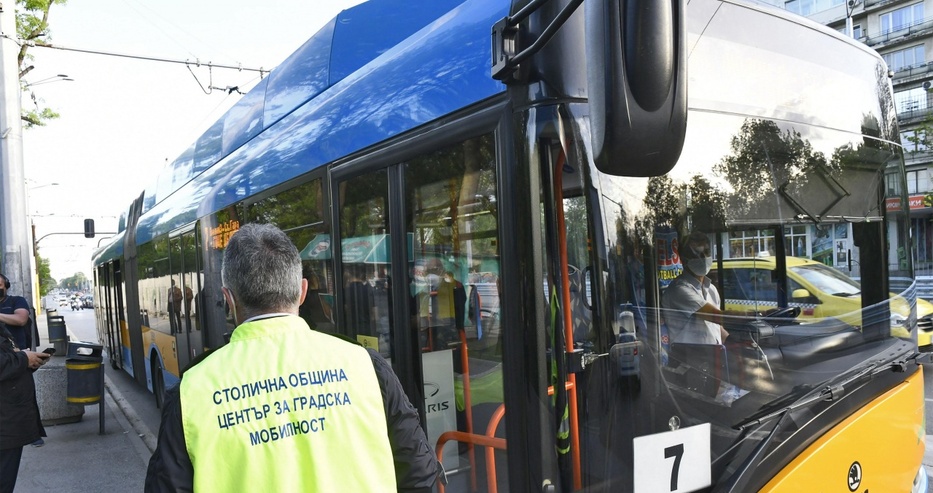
372 249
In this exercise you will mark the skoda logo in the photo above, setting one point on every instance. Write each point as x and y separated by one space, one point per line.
855 476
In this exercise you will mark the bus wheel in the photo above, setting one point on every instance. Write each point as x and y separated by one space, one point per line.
158 383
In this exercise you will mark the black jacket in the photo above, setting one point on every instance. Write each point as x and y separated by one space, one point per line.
19 413
416 466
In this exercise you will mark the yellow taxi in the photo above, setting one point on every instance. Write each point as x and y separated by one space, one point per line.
818 290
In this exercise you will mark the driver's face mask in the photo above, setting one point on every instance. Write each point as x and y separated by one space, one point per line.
702 261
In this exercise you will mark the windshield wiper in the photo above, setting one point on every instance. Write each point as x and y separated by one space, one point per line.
835 389
844 294
829 392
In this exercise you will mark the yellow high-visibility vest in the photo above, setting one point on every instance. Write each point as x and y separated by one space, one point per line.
285 408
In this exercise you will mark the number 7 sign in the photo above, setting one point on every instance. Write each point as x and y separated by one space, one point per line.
674 461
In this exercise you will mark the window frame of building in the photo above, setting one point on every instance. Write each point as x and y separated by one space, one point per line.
892 185
912 56
913 14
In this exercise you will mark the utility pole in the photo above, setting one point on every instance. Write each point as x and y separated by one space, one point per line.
14 228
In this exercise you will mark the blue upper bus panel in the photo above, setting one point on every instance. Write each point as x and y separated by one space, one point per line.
349 41
438 70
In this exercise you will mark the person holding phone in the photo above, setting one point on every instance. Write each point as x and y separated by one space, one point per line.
20 424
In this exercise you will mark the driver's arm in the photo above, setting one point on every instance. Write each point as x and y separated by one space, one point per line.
712 313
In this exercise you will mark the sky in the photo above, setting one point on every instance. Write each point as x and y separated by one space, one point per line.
122 119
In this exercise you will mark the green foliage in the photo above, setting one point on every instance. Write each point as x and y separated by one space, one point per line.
922 136
32 28
38 117
46 282
75 282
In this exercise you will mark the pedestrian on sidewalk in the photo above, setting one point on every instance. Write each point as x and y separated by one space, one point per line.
14 313
282 407
19 412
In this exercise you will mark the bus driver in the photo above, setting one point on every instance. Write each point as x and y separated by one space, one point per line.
691 302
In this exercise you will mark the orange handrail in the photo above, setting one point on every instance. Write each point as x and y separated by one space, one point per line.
490 441
473 439
492 484
468 406
568 316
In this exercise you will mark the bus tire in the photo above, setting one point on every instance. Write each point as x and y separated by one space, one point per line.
158 382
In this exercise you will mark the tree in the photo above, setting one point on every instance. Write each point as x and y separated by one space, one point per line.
764 159
46 282
75 282
921 136
32 28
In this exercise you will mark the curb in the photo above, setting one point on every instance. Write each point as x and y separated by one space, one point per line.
133 420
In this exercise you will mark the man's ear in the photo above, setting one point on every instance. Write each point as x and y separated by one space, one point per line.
304 291
228 297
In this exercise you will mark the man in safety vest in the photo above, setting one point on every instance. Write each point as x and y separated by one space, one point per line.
282 407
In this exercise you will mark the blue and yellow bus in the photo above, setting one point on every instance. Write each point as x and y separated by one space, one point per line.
492 195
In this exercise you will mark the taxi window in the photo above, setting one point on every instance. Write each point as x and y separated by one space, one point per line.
749 284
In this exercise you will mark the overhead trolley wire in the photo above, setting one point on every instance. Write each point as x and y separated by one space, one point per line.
197 63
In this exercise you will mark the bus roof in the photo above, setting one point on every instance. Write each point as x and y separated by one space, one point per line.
441 68
344 45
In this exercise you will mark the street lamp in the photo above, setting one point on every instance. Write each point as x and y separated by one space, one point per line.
48 80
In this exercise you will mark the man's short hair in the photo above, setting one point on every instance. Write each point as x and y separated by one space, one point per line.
262 268
694 245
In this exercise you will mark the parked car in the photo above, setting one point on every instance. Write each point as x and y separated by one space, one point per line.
818 290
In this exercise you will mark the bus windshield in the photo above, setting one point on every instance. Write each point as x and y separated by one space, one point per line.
730 228
765 266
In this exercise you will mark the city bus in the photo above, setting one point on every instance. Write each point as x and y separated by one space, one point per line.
493 196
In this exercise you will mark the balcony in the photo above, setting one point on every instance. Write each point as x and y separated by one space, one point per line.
913 31
917 158
914 70
908 116
870 4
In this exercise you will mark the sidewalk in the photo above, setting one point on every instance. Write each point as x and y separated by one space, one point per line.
77 458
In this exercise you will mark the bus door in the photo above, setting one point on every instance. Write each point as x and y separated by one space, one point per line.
365 265
110 306
453 269
185 284
427 296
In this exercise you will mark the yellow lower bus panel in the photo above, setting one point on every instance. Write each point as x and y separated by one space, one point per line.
877 449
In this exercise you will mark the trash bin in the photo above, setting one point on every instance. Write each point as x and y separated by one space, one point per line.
58 334
85 370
